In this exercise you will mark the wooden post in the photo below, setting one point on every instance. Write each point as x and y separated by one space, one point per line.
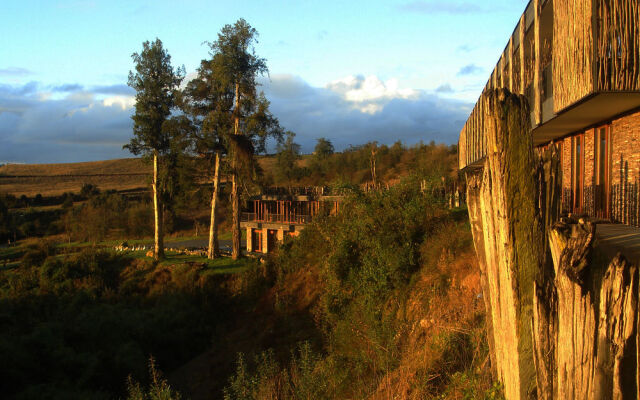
265 240
522 48
249 240
501 66
594 315
537 73
510 63
494 77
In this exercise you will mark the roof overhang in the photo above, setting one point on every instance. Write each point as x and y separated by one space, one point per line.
589 112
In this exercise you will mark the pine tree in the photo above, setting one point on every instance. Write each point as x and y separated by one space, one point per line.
235 67
209 102
155 82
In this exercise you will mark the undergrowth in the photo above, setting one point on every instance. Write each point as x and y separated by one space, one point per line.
397 301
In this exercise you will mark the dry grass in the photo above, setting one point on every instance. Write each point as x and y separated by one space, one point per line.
437 313
55 179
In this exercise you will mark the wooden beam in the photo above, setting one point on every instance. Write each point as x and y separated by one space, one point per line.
494 77
522 47
501 64
511 63
537 73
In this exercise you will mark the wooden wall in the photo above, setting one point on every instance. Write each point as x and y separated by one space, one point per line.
572 52
618 33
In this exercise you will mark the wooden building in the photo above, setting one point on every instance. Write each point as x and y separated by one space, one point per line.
280 212
578 64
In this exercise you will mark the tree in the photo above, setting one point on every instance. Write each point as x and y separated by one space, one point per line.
286 158
208 100
236 68
324 148
321 153
155 82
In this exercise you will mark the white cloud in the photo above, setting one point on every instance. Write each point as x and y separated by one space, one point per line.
124 102
370 94
408 115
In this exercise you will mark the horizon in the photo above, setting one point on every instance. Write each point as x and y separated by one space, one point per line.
342 71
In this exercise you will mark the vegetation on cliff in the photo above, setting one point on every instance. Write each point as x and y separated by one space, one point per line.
392 289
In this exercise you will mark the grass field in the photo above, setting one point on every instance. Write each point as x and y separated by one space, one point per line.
55 179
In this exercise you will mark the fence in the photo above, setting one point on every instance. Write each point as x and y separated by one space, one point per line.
620 204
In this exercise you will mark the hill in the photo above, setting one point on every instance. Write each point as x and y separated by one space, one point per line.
124 174
55 179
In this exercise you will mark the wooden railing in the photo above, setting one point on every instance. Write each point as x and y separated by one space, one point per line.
277 218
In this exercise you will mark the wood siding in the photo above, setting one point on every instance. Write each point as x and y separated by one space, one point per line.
572 52
618 45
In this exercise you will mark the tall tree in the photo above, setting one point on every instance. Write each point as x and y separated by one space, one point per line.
155 82
237 66
286 158
321 153
209 101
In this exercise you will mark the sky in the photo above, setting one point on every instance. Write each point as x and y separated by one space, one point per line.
351 71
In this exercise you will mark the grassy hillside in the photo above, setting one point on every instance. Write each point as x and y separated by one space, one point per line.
56 179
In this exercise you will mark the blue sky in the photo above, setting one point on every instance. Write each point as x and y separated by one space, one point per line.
352 71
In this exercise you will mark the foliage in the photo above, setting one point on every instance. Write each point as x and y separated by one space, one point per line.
231 75
76 326
108 215
431 162
16 224
155 82
159 388
288 153
385 264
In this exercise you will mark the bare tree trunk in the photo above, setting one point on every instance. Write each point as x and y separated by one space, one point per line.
509 237
214 248
158 250
235 202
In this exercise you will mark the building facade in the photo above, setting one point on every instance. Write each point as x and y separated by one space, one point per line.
280 213
578 64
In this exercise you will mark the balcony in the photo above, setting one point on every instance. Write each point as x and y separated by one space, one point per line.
576 61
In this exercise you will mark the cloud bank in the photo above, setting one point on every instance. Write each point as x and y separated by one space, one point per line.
82 125
357 109
70 122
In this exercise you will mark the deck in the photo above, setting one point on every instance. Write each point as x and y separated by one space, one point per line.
614 238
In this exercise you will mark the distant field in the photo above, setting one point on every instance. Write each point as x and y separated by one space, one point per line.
55 179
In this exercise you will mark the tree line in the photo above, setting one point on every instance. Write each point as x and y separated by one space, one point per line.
219 116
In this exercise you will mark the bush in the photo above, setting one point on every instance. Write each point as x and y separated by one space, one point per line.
158 389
